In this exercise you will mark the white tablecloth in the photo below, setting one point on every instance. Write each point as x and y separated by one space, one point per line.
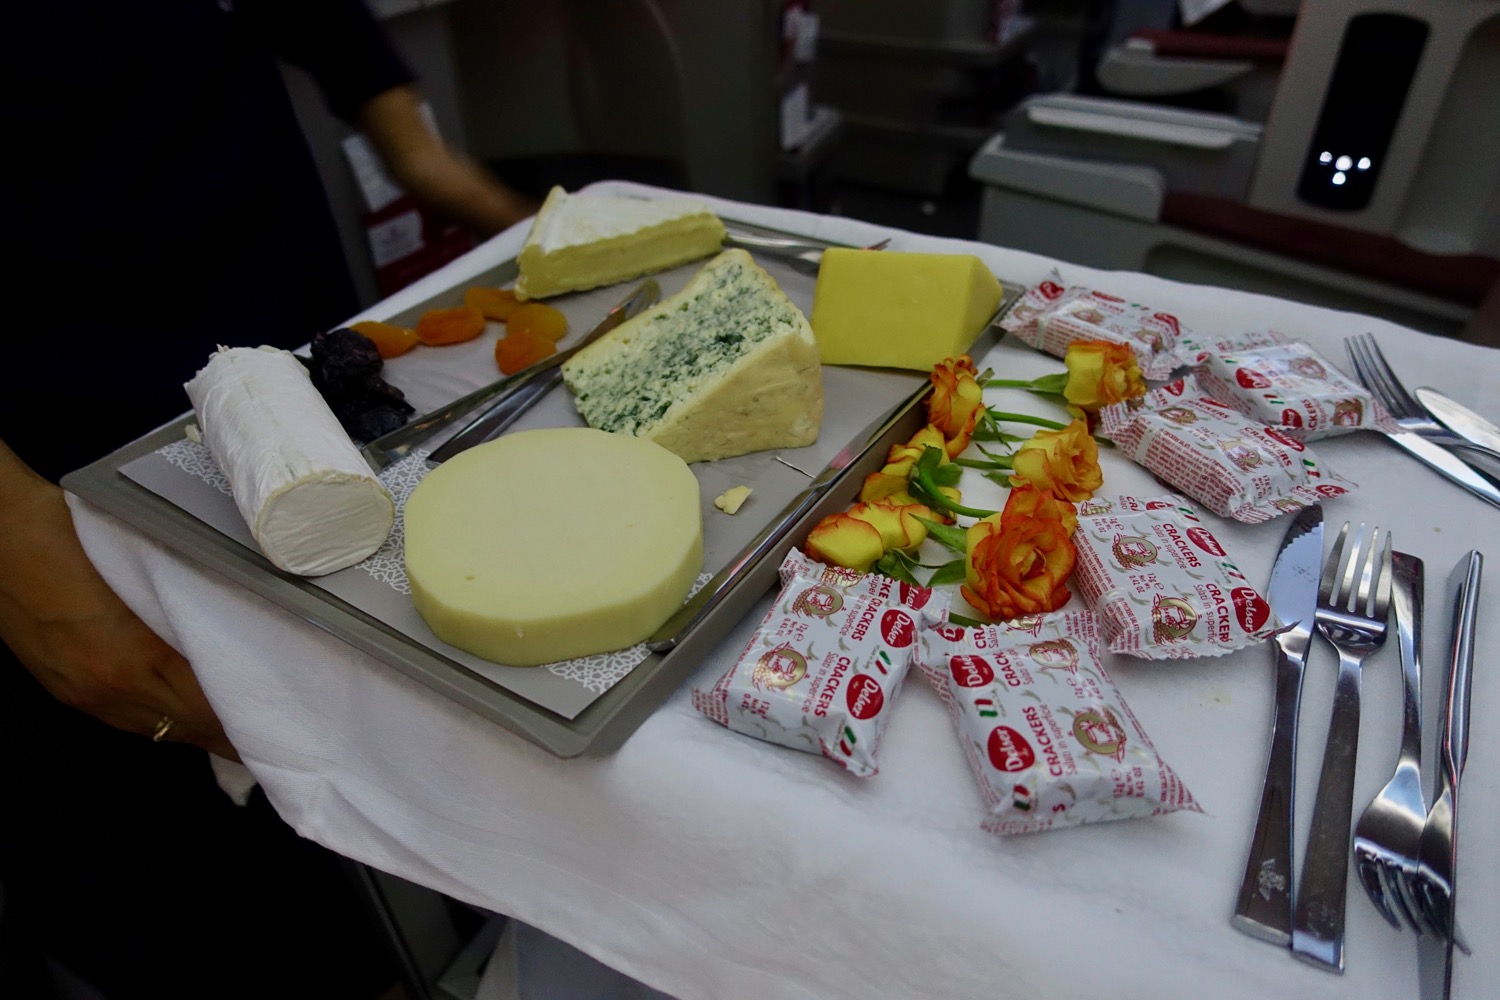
716 867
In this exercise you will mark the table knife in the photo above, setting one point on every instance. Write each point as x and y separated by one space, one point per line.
1438 852
1447 464
522 390
1264 908
1460 419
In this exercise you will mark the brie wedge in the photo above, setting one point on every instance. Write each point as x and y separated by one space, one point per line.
581 241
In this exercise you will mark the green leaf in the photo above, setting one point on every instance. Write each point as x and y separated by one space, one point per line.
897 565
953 572
999 478
956 539
923 484
965 621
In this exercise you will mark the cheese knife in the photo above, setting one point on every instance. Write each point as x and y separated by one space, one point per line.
508 398
1264 907
1460 419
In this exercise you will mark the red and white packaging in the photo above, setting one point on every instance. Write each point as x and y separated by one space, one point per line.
1195 347
1050 316
825 665
1161 584
1293 388
1234 466
1048 735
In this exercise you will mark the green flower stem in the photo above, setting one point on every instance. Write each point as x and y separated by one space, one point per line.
981 463
928 492
1052 385
1023 418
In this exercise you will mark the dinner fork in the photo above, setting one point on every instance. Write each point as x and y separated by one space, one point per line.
1433 888
1388 835
1354 598
1375 373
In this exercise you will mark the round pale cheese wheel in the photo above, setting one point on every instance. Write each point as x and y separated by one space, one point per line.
551 544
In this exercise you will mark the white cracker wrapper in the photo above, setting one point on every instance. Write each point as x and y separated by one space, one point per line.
1048 735
1160 582
1293 388
1050 316
824 667
1231 464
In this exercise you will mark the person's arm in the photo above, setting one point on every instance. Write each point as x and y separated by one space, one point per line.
438 176
75 634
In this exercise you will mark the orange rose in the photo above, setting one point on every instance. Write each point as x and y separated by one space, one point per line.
842 540
860 536
891 482
1064 463
1028 501
956 403
1101 372
1017 567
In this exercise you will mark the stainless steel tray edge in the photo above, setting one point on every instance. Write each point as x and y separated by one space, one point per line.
603 726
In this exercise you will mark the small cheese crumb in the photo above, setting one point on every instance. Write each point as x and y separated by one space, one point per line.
730 500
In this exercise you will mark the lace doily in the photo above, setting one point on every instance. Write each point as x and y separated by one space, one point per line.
597 673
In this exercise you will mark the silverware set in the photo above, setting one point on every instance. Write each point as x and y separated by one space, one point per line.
1420 433
1403 851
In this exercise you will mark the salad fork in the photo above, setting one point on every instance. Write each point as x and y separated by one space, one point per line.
1354 597
1389 832
1375 373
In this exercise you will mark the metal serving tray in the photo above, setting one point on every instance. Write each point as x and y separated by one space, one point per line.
609 719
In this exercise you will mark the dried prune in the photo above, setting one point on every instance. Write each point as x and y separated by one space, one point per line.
345 368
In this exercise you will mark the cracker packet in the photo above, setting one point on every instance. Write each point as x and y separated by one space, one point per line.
1195 347
1050 316
1293 388
1234 466
826 663
1048 735
1161 584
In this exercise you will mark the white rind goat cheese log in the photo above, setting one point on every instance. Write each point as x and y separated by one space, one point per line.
311 501
725 367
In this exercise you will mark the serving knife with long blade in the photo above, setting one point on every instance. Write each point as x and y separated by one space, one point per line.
1264 907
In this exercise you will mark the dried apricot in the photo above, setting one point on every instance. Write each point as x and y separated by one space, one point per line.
496 303
521 349
450 326
389 339
539 318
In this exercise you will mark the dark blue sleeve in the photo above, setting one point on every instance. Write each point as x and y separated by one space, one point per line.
339 42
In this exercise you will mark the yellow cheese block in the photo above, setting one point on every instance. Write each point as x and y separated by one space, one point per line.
886 309
552 544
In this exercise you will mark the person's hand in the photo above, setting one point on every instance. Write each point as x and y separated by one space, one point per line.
75 634
437 175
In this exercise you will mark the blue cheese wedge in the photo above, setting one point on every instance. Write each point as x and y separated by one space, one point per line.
309 498
725 367
581 241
